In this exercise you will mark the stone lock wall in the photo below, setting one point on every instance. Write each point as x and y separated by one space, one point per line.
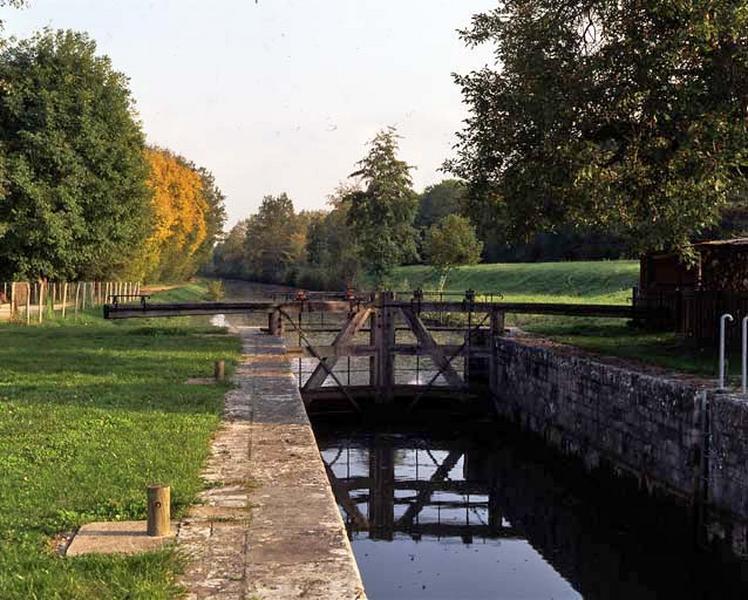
728 453
652 426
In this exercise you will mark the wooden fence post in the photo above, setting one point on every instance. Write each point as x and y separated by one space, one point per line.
64 297
41 301
28 303
13 302
159 510
77 296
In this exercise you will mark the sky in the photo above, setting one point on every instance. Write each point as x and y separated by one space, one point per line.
282 95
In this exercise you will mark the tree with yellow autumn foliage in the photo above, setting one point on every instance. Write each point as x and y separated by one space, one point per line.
188 215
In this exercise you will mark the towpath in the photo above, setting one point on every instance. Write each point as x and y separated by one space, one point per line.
268 526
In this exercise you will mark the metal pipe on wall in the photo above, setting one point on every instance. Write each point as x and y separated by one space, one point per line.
722 327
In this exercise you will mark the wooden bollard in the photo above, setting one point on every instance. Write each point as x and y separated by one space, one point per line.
219 370
159 510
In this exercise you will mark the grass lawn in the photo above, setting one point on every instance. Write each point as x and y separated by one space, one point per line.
604 282
90 413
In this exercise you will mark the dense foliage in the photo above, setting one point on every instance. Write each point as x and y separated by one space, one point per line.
188 215
80 195
450 243
73 200
629 117
275 239
269 246
333 254
437 201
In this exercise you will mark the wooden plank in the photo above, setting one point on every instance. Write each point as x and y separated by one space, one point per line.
340 345
532 308
429 344
331 306
129 311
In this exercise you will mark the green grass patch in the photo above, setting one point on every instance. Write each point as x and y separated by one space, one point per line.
613 337
590 282
91 412
608 282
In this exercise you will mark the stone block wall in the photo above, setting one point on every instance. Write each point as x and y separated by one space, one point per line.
651 426
728 453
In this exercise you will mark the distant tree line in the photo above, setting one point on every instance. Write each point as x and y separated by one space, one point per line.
375 222
81 195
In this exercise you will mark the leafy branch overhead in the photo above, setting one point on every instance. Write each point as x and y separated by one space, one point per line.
624 116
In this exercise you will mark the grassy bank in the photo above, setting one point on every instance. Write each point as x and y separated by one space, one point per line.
608 282
90 413
604 282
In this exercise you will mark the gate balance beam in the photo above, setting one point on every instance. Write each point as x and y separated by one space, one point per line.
184 309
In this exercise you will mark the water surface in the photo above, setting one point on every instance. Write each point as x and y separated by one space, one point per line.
478 512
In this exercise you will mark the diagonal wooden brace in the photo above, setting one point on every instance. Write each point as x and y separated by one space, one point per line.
429 344
342 341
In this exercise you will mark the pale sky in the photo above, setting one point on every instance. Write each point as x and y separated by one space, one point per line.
282 95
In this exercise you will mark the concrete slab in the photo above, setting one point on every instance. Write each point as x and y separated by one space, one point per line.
117 537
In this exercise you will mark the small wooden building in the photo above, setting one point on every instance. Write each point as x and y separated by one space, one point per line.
696 295
721 265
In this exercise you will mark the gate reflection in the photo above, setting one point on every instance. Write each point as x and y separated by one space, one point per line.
481 488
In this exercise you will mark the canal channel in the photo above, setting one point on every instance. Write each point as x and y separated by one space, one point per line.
441 504
474 510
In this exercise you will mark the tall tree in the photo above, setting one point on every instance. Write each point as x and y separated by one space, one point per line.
73 199
179 217
623 115
382 213
215 216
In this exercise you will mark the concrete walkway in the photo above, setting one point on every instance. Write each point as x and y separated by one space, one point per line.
268 527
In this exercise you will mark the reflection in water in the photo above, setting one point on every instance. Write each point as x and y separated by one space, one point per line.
481 514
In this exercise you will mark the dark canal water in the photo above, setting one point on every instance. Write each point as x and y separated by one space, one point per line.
475 511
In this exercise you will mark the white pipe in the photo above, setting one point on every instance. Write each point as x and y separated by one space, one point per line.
745 355
722 326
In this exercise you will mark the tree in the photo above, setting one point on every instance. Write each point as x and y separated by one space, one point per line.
73 199
215 216
438 201
180 218
275 240
229 257
332 250
450 243
624 116
381 214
